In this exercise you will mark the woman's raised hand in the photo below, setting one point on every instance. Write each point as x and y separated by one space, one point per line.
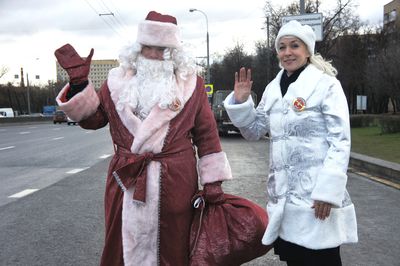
243 85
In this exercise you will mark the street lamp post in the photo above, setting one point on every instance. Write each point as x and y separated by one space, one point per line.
208 44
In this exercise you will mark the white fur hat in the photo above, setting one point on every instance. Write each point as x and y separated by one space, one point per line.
303 32
159 30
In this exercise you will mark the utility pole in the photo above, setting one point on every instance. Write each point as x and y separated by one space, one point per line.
302 9
22 84
269 53
27 94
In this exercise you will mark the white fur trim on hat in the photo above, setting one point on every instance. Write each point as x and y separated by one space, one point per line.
303 32
161 34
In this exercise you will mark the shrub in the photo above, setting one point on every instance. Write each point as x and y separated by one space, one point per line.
364 120
389 124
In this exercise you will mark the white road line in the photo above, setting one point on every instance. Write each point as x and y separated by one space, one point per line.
23 193
89 132
24 132
7 148
77 170
105 156
57 138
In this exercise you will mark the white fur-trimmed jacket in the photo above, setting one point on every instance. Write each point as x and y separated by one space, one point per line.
309 154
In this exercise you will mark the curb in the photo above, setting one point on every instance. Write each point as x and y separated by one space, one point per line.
376 167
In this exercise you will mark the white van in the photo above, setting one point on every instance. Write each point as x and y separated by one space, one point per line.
6 112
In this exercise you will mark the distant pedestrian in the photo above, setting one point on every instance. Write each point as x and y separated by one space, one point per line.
165 139
305 112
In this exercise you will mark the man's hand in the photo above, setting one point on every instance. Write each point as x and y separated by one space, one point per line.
322 209
213 192
76 67
243 85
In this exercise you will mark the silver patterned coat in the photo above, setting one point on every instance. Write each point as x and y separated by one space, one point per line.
309 153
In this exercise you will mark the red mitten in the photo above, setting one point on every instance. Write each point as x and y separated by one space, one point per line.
212 193
76 67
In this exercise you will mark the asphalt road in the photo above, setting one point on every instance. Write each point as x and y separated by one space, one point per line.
62 222
35 156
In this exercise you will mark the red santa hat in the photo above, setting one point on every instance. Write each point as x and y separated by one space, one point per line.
159 30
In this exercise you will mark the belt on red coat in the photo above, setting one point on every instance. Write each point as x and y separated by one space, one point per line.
134 171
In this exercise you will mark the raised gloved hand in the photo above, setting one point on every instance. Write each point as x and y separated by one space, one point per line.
212 192
76 67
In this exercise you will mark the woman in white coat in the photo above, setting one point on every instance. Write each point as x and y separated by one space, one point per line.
305 112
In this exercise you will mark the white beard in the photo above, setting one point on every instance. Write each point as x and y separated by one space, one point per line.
153 84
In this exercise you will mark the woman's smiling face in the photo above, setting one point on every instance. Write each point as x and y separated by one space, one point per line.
292 53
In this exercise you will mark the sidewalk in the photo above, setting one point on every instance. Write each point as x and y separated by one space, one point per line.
380 170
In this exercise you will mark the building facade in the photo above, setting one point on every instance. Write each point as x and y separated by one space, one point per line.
98 71
391 18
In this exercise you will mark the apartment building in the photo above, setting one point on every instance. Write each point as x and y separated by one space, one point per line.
391 15
98 71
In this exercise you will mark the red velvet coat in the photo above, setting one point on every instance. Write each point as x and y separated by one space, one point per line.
155 170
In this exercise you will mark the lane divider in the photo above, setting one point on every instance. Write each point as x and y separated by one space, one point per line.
57 138
23 193
77 170
24 132
104 156
7 148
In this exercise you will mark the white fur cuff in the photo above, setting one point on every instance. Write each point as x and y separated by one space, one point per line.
214 167
241 114
82 105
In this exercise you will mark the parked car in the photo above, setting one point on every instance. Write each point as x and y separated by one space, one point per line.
224 123
70 121
59 117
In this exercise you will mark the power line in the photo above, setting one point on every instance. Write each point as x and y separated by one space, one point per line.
105 21
113 15
118 13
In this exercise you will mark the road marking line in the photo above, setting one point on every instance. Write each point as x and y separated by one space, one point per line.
24 132
7 148
57 138
89 132
105 156
77 170
23 193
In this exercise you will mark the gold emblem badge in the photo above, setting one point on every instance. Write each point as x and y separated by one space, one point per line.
175 105
299 104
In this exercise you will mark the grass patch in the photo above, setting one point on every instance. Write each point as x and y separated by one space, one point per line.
369 141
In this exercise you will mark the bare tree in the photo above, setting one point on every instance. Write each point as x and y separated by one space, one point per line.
338 21
223 72
383 70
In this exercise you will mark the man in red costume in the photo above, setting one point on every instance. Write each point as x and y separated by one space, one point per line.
165 140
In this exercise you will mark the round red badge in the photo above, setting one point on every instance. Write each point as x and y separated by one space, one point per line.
299 104
175 105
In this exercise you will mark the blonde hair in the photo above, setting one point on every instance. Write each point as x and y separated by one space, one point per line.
319 62
316 59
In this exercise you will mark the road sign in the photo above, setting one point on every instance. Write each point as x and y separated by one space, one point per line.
314 20
209 88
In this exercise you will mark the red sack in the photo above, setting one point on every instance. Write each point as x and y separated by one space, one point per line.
227 232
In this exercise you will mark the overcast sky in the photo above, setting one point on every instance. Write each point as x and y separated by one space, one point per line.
30 30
